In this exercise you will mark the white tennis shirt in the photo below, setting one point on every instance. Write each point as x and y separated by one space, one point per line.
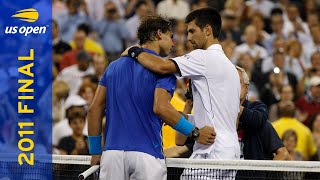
216 98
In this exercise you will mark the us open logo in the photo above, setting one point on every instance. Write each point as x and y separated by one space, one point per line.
29 15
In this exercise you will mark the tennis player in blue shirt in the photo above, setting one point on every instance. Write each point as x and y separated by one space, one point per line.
134 101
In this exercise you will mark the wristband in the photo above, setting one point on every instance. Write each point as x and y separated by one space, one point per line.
95 144
183 126
134 52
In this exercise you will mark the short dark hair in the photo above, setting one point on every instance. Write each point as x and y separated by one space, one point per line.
276 11
76 116
85 28
150 25
206 16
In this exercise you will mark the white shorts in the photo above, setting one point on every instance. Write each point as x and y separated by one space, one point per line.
206 174
131 165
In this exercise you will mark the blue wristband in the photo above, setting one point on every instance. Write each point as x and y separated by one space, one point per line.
95 144
184 126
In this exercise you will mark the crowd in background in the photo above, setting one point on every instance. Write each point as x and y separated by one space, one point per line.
276 42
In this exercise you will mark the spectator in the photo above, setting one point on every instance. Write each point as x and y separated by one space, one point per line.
296 62
294 23
277 24
112 31
59 46
99 64
90 79
257 21
305 144
142 9
314 70
229 30
277 65
77 143
312 20
96 9
247 63
60 92
314 45
310 103
69 20
74 105
256 135
290 140
179 35
250 46
173 9
286 94
58 6
73 74
70 58
228 47
316 131
89 45
87 91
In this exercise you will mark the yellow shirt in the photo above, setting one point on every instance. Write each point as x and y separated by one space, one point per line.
90 46
305 144
168 134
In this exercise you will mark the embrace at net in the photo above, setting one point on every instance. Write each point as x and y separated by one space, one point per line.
181 90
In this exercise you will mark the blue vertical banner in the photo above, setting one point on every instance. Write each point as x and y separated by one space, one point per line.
25 89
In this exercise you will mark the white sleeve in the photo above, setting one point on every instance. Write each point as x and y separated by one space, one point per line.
191 65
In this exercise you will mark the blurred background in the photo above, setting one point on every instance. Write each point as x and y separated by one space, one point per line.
276 42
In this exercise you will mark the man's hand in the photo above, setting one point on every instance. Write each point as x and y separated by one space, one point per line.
207 135
95 159
125 52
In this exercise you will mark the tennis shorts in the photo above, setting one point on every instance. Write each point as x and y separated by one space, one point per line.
131 165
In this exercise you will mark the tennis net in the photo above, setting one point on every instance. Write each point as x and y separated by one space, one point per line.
66 167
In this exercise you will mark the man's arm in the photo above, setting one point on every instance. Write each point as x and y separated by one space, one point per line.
157 64
170 116
254 117
281 154
95 120
180 138
96 112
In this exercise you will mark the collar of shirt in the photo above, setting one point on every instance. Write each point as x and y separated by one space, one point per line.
151 52
287 119
215 47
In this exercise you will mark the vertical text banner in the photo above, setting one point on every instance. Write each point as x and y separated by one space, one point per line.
25 89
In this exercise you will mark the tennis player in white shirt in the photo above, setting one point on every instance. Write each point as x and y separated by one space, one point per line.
215 83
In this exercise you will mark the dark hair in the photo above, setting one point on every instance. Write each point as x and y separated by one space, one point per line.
206 16
150 25
140 3
288 133
93 78
85 28
76 116
288 110
276 11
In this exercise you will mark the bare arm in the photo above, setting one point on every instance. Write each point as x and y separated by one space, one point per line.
170 116
163 108
282 154
175 152
95 117
96 112
157 64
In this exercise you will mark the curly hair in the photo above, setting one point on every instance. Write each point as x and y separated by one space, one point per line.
150 25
